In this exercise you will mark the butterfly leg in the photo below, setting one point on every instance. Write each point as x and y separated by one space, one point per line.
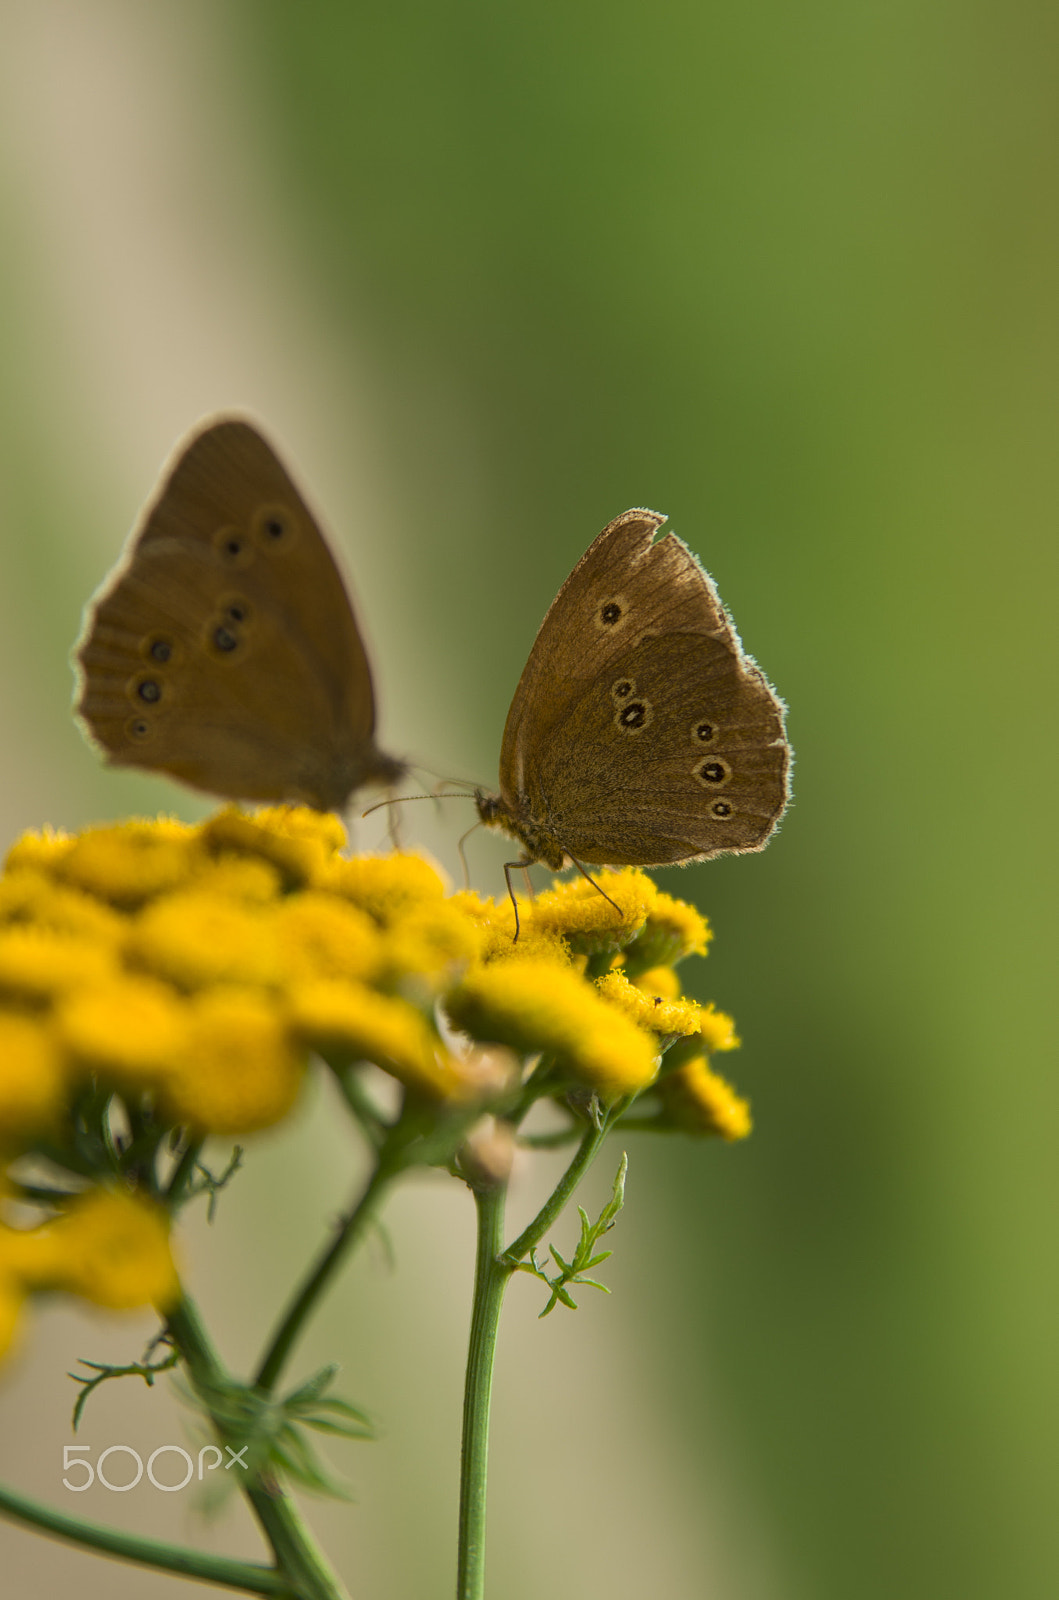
463 854
586 874
515 866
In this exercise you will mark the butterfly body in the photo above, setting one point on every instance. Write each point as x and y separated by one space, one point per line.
640 733
223 650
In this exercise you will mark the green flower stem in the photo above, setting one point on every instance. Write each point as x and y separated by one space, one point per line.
307 1574
493 1267
372 1123
147 1552
320 1276
490 1280
587 1151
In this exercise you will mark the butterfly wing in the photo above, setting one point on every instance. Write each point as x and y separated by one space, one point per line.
224 650
640 732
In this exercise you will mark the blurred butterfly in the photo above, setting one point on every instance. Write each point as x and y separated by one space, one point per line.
223 649
640 733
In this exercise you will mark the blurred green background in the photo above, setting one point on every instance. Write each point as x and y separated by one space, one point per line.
490 274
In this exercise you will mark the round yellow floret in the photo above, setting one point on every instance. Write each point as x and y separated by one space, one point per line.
195 939
322 936
40 851
540 1006
431 940
112 1249
649 1010
131 1030
385 886
495 924
251 880
298 841
241 1069
30 897
37 964
698 1100
130 862
598 916
348 1022
717 1030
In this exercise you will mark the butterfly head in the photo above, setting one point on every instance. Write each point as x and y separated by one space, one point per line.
537 841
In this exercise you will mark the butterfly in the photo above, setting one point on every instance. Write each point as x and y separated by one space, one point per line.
223 649
640 733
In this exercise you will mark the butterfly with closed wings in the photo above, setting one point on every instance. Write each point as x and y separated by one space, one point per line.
640 734
223 649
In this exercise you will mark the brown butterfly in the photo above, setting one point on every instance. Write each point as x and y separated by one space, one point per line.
223 649
640 733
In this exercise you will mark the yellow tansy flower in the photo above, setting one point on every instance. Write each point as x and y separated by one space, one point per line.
131 1030
131 862
242 1068
322 936
40 851
249 879
650 1011
348 1022
197 965
296 840
430 940
195 939
113 1249
495 922
584 915
30 897
697 1100
37 964
386 886
32 1083
536 1006
717 1030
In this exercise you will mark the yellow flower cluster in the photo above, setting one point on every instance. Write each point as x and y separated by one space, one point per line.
201 965
190 971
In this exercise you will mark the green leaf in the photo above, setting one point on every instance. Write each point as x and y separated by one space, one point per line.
147 1370
583 1260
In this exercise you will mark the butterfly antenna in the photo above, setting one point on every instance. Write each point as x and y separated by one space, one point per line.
586 874
402 799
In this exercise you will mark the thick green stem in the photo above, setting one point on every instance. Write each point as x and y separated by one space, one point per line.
303 1566
328 1263
490 1280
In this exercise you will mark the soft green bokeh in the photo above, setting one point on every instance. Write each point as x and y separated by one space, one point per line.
495 273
